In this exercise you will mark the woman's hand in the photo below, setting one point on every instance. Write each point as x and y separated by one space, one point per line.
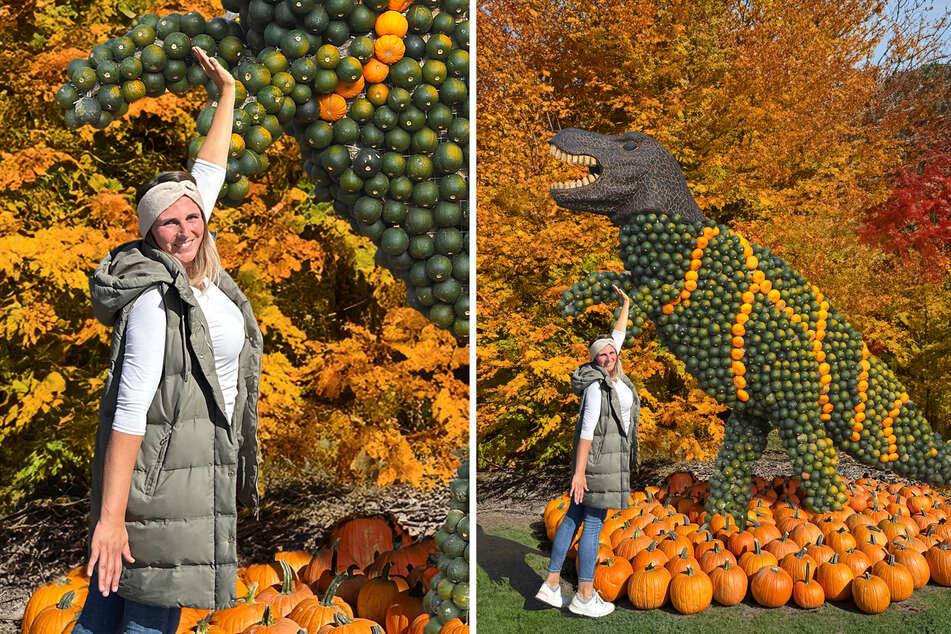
579 484
621 324
621 295
110 545
216 73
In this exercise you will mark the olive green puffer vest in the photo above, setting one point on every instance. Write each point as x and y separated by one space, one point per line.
613 452
193 464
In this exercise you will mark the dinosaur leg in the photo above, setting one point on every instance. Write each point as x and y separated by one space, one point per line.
814 462
744 439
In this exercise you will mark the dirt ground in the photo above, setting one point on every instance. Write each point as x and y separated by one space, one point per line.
47 537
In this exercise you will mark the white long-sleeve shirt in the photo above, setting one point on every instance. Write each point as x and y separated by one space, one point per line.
592 398
145 332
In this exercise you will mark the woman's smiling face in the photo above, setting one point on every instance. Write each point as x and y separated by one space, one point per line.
179 229
607 358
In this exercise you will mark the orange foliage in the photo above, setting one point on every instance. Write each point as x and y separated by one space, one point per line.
353 383
778 116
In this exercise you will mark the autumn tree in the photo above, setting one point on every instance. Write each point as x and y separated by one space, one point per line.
353 383
779 117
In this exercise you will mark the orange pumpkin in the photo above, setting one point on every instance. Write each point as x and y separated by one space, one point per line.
691 591
312 613
391 23
729 584
375 71
268 625
54 618
755 559
797 564
916 564
870 593
453 626
332 108
377 94
939 561
375 595
835 579
390 49
296 558
245 613
648 588
343 624
771 586
807 593
48 595
348 90
285 596
610 577
897 577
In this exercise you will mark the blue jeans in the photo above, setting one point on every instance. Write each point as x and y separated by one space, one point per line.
587 543
115 615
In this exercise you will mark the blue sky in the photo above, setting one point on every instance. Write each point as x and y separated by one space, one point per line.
937 8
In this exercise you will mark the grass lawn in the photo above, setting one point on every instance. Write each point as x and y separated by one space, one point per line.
511 565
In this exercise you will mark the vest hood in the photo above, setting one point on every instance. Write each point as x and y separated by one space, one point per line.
585 375
125 273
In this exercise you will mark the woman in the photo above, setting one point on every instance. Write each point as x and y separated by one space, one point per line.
605 433
177 438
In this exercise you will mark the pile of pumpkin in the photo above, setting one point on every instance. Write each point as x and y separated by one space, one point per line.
886 542
373 578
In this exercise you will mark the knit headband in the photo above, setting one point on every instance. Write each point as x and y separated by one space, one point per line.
600 344
160 198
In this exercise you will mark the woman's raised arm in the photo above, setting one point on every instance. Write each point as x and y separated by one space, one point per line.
218 140
621 324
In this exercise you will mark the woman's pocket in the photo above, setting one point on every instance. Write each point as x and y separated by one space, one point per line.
155 469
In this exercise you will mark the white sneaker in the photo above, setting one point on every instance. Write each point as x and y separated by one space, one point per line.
595 606
552 597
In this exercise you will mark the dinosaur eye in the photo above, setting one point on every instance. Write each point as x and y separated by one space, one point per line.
630 145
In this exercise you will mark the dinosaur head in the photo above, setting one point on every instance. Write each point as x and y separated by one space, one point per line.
628 175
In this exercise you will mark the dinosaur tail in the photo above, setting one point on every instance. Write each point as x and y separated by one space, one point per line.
887 429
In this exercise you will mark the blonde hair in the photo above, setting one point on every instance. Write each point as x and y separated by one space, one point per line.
207 263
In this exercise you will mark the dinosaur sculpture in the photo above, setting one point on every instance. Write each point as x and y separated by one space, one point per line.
756 335
374 92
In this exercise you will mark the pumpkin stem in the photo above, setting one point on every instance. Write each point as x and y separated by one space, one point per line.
351 569
891 559
267 619
66 601
333 557
202 626
328 599
249 597
385 575
287 574
341 618
808 572
689 571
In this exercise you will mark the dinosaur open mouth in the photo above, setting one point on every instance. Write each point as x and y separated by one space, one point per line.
594 168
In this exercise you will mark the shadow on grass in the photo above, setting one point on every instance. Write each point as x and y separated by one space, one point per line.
503 560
